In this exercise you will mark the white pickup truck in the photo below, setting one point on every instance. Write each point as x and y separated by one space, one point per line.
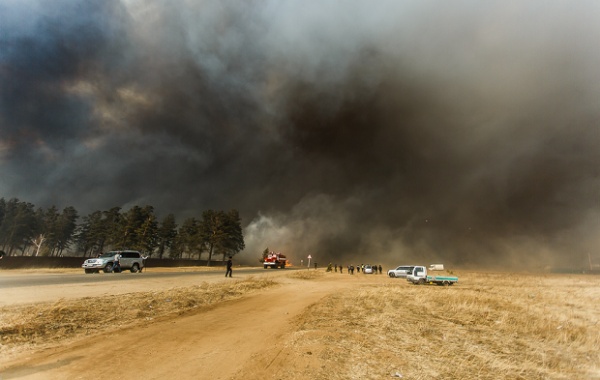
419 276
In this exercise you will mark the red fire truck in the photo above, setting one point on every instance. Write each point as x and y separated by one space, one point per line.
275 260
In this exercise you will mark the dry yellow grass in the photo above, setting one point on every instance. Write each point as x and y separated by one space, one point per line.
307 274
48 322
490 326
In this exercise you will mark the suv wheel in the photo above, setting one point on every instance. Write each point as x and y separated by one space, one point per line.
108 268
135 268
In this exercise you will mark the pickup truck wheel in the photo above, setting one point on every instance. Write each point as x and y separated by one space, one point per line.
392 275
421 282
108 268
446 283
266 266
135 268
88 271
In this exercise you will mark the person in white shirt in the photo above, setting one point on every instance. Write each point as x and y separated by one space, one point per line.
117 264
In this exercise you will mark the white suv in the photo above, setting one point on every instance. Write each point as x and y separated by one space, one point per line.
131 260
401 271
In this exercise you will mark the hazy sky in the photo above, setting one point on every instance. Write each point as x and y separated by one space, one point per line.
390 131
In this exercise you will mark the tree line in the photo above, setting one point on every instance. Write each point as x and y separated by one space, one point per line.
29 231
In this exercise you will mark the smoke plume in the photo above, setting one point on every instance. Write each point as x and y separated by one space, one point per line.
389 132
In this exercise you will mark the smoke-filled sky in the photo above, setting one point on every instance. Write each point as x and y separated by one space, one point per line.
389 131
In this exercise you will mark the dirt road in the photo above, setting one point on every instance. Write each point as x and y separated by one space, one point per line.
246 338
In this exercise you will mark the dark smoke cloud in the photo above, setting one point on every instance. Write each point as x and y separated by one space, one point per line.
397 132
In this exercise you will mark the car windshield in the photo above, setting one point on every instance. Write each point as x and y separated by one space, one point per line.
108 254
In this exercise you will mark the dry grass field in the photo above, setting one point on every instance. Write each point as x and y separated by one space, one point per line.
488 326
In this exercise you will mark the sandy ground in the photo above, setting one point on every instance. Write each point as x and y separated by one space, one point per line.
245 338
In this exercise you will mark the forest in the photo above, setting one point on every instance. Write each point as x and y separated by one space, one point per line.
27 230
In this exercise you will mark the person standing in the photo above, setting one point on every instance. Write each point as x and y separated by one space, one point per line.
229 268
144 258
117 264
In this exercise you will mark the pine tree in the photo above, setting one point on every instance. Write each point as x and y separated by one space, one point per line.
221 233
167 233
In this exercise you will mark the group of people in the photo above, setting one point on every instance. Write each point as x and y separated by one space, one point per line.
351 268
375 268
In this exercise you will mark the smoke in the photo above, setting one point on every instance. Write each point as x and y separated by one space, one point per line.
396 132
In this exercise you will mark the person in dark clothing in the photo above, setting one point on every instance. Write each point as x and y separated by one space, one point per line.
229 267
380 269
